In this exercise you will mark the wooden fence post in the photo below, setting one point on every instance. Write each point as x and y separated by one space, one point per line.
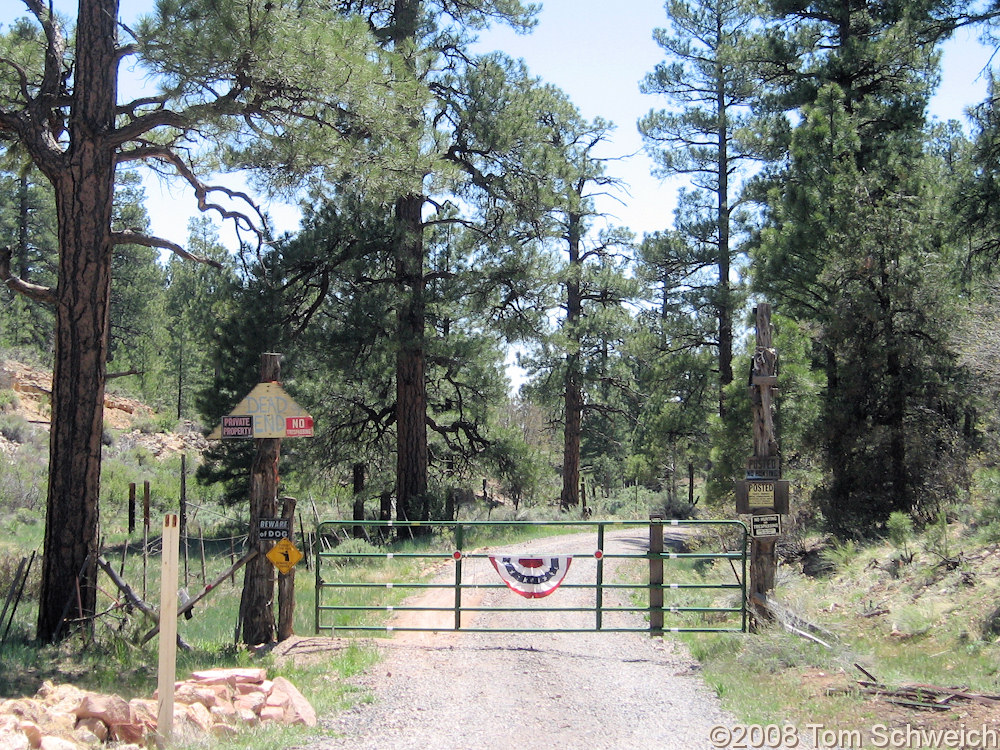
763 380
257 603
168 628
286 581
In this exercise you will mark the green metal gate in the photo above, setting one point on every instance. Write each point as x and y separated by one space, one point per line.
370 585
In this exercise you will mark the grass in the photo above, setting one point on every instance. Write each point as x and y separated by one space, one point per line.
899 609
112 659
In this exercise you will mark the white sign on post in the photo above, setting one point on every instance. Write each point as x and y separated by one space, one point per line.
765 524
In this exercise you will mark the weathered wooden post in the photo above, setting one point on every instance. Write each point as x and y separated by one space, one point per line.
763 493
131 508
267 414
168 629
258 583
286 581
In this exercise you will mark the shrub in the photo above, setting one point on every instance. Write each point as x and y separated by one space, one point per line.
15 428
8 400
899 527
22 483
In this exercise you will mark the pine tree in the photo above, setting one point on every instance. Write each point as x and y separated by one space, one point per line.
852 245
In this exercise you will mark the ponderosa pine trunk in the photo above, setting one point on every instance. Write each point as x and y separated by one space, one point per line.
84 191
573 384
724 304
411 385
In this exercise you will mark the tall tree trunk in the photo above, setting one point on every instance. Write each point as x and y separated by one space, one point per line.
358 487
21 256
257 603
724 303
84 191
573 396
411 385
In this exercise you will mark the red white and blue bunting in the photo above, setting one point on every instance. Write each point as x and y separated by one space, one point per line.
532 577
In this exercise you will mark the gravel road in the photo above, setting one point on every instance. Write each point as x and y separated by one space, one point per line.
489 691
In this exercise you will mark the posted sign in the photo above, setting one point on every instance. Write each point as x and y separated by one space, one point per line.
756 495
267 412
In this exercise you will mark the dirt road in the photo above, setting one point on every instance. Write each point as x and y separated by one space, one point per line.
520 691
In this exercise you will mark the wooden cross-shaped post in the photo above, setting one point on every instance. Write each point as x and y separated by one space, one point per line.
763 381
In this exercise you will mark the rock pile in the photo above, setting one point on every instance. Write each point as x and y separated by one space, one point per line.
214 701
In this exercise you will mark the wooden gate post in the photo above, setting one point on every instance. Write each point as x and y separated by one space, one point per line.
286 581
257 605
763 379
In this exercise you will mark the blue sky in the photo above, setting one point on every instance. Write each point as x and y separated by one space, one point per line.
597 51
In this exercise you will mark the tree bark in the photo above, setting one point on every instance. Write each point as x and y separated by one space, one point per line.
358 472
257 604
724 302
573 395
84 191
411 385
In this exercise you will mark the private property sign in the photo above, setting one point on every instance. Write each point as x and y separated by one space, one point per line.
267 412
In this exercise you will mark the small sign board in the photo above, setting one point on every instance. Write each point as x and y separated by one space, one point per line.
762 496
765 524
274 528
267 412
237 427
764 467
284 556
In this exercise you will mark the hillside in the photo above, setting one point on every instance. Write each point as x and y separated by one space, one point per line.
25 394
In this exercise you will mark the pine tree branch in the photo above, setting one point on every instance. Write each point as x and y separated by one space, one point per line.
130 237
39 293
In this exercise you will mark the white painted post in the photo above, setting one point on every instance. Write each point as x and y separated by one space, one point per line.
168 630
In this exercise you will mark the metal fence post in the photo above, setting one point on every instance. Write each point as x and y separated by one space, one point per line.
599 600
458 576
655 575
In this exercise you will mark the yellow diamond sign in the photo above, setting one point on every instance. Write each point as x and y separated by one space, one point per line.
284 555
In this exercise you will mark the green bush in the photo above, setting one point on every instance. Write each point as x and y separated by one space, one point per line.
22 482
15 428
8 400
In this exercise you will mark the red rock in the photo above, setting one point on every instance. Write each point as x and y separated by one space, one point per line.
298 710
252 701
111 709
231 676
95 726
32 731
277 697
200 717
189 692
223 711
129 732
145 712
13 740
64 698
272 713
49 742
